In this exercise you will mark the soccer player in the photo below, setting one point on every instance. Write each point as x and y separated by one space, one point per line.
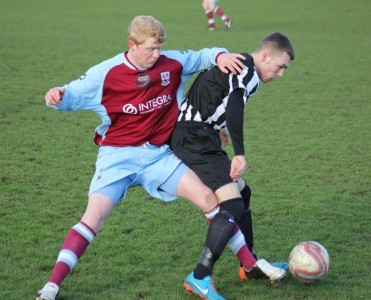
215 102
136 96
210 7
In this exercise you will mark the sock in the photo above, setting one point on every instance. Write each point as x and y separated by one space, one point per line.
73 247
221 14
211 214
238 245
245 222
205 266
210 19
237 242
218 234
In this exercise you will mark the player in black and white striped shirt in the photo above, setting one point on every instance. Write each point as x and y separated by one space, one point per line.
215 102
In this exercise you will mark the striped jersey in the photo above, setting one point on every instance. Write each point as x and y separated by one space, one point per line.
207 99
136 106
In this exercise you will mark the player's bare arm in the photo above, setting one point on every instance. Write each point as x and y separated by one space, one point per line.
230 62
54 96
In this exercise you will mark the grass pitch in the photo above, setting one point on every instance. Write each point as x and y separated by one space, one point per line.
308 138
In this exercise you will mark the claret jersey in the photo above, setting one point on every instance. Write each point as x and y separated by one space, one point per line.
136 106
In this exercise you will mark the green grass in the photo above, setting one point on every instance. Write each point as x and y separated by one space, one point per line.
307 137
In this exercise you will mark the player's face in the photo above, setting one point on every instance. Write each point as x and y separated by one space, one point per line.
145 55
273 66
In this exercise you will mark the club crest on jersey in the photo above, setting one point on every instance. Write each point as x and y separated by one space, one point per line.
165 78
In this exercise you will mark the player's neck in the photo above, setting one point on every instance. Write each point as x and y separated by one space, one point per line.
133 62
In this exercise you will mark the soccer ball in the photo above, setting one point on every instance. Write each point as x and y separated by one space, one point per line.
309 261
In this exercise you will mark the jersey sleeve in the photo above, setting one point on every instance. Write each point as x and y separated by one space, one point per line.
195 61
241 87
234 118
85 93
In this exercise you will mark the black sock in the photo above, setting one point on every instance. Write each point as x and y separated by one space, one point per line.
245 222
219 232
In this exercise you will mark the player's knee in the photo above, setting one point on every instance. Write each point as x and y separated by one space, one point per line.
208 198
98 210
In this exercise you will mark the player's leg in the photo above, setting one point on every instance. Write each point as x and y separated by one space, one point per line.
76 242
246 225
221 232
204 198
200 280
231 204
261 268
191 188
245 222
175 179
220 12
208 7
100 206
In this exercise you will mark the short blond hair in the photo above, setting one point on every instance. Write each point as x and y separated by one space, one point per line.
143 27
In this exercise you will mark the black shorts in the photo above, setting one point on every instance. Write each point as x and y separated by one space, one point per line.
198 145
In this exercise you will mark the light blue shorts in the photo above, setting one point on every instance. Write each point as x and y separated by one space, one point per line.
155 168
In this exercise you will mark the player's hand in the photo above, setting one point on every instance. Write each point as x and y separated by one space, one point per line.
224 136
54 96
229 62
238 167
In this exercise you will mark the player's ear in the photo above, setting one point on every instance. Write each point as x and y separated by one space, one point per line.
265 55
131 44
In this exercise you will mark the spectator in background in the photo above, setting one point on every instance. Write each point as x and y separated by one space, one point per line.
210 8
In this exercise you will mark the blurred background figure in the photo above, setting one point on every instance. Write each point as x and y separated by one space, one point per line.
210 8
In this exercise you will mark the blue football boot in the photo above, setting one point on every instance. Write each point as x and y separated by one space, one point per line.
204 288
